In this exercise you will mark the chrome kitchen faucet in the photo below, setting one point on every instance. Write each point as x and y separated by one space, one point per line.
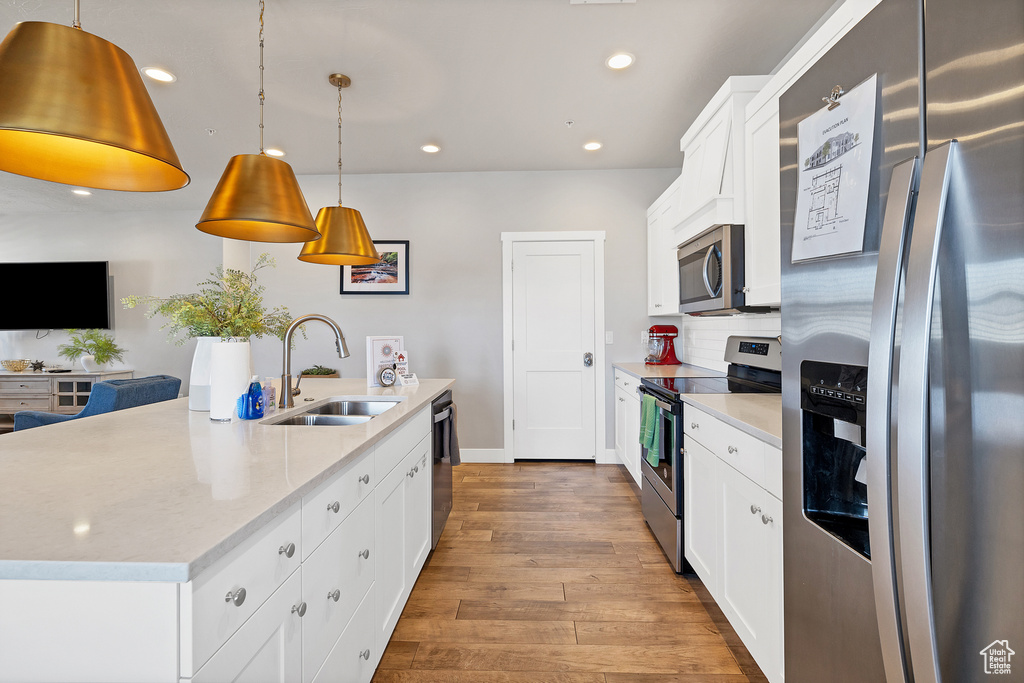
287 393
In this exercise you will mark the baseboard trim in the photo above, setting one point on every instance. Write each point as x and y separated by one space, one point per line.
482 455
609 457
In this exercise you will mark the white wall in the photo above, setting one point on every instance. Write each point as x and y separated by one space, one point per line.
452 319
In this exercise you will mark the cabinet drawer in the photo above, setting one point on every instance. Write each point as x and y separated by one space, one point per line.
739 449
773 471
258 565
626 381
397 445
354 657
335 580
326 507
266 647
25 386
25 403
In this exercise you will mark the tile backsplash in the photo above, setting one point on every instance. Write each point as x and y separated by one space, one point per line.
702 339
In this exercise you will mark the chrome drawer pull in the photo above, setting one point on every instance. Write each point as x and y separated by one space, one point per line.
754 509
766 520
286 550
334 507
334 595
237 597
300 608
365 554
694 425
733 449
365 478
365 654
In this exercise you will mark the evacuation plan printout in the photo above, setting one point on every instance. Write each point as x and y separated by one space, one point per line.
834 150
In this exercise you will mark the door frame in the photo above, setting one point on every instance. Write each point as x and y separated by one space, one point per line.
508 239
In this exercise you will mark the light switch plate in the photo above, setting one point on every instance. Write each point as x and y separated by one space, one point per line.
608 338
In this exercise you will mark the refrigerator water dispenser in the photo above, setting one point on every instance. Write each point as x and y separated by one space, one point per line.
833 398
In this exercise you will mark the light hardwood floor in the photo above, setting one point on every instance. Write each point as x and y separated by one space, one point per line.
547 572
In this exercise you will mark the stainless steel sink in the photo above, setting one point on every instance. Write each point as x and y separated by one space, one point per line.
317 419
339 412
352 407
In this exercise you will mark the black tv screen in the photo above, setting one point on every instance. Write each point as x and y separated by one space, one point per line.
55 295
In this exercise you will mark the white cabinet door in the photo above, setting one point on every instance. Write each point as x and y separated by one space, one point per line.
662 280
762 206
267 648
402 523
355 655
700 518
742 554
633 453
773 651
621 402
418 510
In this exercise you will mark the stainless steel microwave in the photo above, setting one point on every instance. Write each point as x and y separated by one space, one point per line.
711 273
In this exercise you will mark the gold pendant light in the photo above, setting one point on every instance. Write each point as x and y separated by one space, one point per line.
258 197
344 241
74 110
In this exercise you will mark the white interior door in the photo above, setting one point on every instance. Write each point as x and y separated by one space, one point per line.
553 330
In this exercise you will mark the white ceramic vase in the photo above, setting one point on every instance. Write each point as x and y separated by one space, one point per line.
229 377
199 379
89 363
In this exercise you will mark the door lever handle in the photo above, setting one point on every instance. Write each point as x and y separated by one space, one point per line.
588 359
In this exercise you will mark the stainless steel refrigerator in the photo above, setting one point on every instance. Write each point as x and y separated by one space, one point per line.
903 365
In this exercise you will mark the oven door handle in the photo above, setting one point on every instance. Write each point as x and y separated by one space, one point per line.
658 402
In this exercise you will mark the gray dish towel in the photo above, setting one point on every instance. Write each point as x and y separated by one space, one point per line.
451 437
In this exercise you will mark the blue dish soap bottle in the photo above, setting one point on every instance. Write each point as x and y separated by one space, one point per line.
253 408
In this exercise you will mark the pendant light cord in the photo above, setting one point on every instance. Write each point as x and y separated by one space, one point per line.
339 145
262 7
78 20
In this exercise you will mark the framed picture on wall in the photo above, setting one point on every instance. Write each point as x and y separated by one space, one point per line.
390 275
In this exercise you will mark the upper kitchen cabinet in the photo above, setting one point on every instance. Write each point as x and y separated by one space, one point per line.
761 213
662 287
713 177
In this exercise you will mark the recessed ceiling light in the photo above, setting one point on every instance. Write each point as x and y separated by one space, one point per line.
161 75
84 193
431 149
591 146
620 60
274 152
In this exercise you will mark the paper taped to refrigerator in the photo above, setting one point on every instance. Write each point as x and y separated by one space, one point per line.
834 147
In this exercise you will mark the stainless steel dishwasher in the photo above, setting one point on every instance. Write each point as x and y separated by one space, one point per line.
445 450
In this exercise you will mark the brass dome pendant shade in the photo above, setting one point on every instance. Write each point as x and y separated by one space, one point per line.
345 240
74 110
258 198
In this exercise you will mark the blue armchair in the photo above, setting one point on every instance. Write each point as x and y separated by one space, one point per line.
105 397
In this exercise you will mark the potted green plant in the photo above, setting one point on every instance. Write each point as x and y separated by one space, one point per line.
319 371
229 304
96 348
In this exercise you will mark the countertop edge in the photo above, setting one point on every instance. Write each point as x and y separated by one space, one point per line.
724 416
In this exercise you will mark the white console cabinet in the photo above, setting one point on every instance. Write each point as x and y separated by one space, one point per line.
733 531
627 423
662 266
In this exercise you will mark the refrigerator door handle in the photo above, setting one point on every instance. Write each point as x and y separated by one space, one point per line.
912 464
895 232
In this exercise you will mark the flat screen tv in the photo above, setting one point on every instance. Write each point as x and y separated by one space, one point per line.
55 295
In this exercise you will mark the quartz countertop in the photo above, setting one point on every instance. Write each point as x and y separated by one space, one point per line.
641 370
158 493
759 415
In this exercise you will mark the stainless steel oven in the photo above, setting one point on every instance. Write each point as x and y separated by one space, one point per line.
711 273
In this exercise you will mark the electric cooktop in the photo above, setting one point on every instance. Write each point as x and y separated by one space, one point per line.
755 367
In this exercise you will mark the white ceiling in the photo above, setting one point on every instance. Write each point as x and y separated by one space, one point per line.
490 81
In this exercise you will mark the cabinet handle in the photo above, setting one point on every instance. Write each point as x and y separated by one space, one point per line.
365 478
287 550
416 468
625 384
694 425
621 400
237 597
766 520
410 473
334 507
657 305
365 553
754 509
334 595
300 608
733 449
365 654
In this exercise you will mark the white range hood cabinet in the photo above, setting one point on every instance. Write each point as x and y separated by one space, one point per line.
712 181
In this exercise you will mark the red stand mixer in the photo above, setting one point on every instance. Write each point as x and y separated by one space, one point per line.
660 347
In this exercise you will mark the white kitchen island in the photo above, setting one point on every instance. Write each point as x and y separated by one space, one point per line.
153 545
